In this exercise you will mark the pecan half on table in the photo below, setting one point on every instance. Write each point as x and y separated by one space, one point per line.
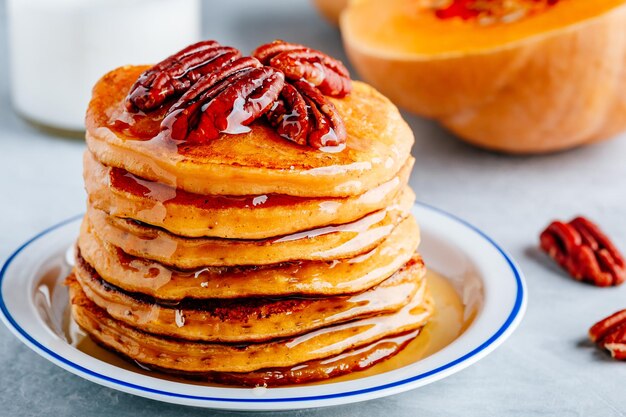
610 334
584 251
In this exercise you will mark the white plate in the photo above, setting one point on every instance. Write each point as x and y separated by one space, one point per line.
482 272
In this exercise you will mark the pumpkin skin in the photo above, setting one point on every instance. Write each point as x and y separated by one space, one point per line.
331 9
545 83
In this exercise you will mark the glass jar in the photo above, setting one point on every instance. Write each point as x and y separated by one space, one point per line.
60 48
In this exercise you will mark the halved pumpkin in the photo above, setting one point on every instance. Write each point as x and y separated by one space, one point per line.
543 76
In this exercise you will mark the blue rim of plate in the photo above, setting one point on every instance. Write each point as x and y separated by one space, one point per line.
516 310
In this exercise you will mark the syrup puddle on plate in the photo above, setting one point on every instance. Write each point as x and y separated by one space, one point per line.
449 321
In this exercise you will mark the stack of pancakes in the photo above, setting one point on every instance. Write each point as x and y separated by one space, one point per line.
248 260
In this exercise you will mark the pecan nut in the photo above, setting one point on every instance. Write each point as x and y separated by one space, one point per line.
185 113
610 334
219 92
584 251
327 128
305 116
226 101
289 115
299 62
177 73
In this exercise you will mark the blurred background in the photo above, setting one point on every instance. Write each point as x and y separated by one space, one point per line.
512 198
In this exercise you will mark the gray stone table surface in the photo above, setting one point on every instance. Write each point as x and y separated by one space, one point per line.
546 368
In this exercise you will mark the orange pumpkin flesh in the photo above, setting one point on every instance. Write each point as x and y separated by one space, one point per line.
547 81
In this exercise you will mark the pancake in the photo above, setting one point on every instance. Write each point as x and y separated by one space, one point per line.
247 319
301 278
187 356
123 194
327 243
259 162
313 371
245 258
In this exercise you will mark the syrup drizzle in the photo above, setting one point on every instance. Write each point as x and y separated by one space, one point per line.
306 277
444 327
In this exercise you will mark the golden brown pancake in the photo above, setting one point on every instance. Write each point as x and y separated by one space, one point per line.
327 243
304 278
312 371
247 319
254 163
247 258
186 356
123 194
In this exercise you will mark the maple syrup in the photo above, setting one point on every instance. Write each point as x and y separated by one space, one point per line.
448 322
